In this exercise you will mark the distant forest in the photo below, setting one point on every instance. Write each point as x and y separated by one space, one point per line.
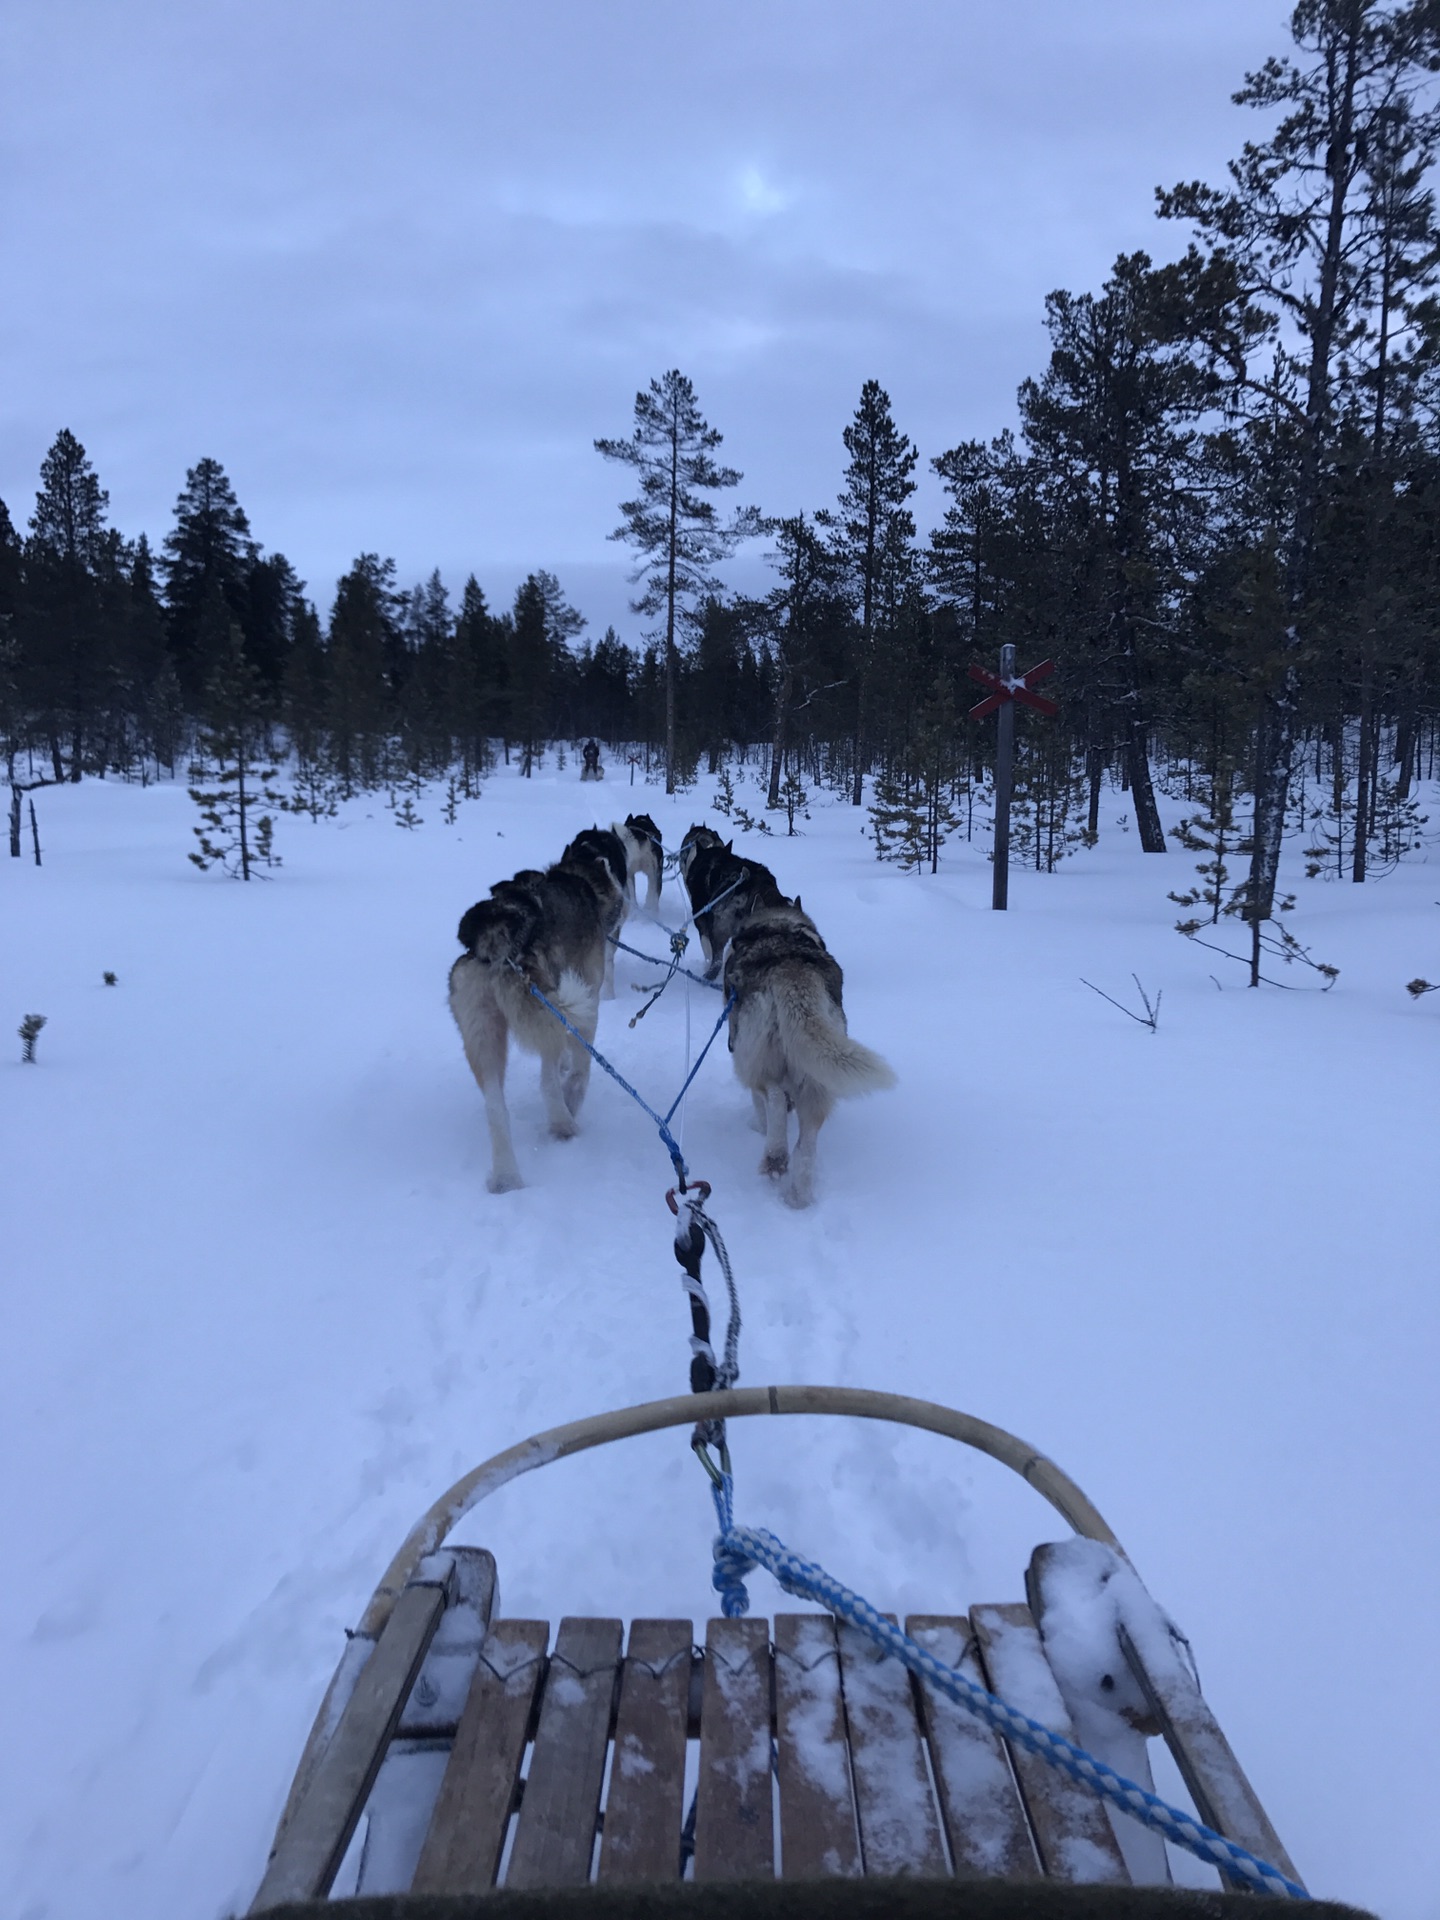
1218 514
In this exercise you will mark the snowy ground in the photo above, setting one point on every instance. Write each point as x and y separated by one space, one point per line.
260 1308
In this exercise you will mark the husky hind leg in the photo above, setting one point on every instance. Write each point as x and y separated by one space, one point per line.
558 1111
577 1080
812 1107
777 1132
486 1038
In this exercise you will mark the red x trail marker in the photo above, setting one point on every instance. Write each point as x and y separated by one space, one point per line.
1007 688
1021 690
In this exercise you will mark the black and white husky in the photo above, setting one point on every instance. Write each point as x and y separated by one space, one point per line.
548 930
788 1037
643 854
724 891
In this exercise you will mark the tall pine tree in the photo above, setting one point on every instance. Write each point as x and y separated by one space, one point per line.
675 529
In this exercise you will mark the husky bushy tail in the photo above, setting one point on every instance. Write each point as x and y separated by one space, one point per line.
812 1031
788 1037
644 853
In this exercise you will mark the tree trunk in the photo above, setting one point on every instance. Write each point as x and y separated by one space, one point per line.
1274 752
670 704
1363 823
1095 771
857 783
782 723
242 801
1147 812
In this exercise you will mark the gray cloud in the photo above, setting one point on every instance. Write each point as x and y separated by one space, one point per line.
396 265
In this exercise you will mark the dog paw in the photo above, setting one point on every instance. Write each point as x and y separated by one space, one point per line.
797 1196
504 1182
775 1164
565 1129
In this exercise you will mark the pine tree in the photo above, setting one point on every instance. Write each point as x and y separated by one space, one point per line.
233 836
543 625
803 613
364 643
676 531
913 813
1292 278
65 653
873 532
208 558
477 696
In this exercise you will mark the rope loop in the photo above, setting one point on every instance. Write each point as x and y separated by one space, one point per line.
732 1563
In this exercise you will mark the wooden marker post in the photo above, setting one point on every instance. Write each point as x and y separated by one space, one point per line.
1007 689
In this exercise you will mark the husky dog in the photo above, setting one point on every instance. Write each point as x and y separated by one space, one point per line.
545 929
724 891
789 1039
599 854
643 854
696 840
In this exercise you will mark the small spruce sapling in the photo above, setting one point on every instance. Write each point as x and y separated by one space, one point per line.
724 801
238 781
29 1031
1217 834
794 799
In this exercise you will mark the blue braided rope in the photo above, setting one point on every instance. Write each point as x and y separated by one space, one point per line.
663 1124
715 1035
739 1549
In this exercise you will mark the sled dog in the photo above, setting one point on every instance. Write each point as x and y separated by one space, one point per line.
546 929
788 1037
724 891
599 855
641 839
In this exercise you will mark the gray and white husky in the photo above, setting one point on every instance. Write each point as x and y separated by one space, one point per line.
788 1037
640 838
546 929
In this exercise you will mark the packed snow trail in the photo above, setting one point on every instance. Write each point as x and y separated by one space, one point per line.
259 1307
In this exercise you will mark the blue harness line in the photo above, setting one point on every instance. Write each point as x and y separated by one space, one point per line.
662 1123
740 1549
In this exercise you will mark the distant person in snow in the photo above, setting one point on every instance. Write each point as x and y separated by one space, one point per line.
591 768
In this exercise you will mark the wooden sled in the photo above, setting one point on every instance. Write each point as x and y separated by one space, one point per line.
482 1753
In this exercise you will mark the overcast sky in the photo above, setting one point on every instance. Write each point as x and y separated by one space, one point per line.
396 263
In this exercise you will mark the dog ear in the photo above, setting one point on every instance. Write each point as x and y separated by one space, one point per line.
470 924
798 907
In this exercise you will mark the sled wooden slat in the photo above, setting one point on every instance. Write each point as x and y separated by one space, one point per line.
1224 1798
1073 1835
817 1755
734 1823
308 1853
644 1810
462 1850
899 1824
818 1835
555 1833
984 1818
